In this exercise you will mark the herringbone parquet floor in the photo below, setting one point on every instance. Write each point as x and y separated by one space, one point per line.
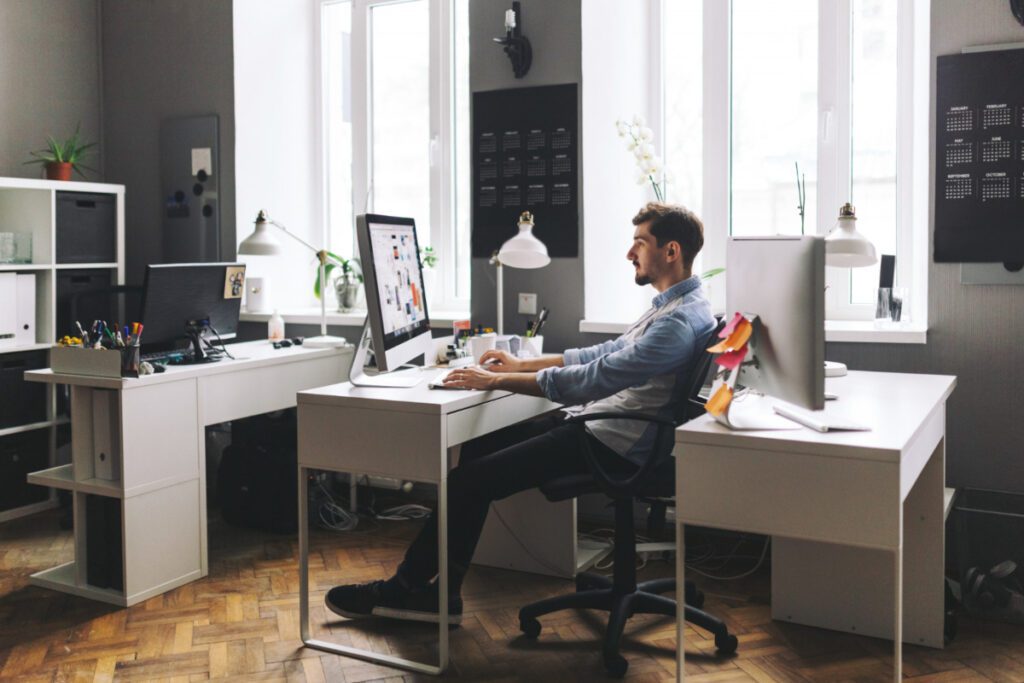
241 623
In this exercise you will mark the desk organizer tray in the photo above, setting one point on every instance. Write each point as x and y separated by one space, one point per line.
74 360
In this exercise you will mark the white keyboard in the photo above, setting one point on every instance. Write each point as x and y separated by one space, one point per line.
818 421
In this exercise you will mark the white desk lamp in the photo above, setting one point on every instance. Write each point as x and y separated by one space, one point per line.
521 251
262 243
845 247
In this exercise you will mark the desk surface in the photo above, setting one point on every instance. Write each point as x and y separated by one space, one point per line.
248 355
893 404
418 399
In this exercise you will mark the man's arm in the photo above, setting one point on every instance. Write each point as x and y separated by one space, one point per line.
478 378
502 361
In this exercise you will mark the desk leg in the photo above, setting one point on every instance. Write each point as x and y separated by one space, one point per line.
680 594
897 607
367 655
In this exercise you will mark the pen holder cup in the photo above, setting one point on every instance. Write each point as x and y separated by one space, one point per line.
130 361
532 347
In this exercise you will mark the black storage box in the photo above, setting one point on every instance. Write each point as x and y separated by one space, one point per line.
21 454
98 306
21 402
86 227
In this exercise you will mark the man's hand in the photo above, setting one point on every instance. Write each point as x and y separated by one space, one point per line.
471 378
501 361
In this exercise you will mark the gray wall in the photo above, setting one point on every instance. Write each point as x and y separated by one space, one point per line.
164 58
974 332
49 79
554 32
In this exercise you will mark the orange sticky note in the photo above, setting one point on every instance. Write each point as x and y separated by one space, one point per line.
727 330
719 401
736 340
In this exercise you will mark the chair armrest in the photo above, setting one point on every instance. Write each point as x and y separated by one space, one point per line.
662 448
642 417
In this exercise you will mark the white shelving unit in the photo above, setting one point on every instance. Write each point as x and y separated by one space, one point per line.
30 206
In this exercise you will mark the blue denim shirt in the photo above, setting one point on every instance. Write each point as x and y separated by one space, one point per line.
645 370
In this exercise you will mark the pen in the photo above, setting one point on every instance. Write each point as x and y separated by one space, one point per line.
529 329
541 319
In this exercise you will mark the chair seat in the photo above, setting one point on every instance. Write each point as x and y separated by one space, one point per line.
661 484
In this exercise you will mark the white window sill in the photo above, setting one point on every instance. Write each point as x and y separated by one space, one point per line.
860 331
355 318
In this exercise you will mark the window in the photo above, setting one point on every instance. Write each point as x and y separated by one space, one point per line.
397 139
751 89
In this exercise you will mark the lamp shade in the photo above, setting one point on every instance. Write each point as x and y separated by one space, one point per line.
524 250
845 247
261 242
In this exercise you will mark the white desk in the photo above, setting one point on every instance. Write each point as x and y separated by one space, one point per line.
416 434
158 451
857 518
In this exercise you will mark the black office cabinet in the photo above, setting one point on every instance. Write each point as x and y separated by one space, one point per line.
21 402
76 284
86 227
20 454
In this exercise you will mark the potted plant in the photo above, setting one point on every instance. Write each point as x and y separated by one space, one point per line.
60 158
347 282
428 258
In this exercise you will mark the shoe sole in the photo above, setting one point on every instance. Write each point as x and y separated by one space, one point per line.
391 613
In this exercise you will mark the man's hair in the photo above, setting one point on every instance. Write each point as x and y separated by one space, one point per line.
674 223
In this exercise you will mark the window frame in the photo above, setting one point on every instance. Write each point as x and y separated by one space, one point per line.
442 135
834 143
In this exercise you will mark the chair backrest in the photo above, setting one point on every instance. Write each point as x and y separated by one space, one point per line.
692 404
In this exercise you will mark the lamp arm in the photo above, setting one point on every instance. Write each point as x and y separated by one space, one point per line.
321 253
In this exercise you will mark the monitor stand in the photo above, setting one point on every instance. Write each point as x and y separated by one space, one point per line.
402 380
196 353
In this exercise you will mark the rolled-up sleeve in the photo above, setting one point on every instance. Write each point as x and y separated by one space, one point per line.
667 345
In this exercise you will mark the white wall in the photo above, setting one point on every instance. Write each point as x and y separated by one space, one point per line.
49 78
277 136
616 85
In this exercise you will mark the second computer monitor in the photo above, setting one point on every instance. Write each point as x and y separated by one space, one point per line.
781 280
395 298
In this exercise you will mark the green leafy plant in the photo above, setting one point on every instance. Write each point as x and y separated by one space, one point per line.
801 194
71 151
708 274
347 265
428 257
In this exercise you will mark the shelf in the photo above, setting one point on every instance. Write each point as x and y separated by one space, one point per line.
31 427
9 267
56 477
62 578
24 347
84 266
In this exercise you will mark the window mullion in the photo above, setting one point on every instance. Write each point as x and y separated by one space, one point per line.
361 118
441 140
717 90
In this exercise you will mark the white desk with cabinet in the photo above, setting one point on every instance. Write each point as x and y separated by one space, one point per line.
156 467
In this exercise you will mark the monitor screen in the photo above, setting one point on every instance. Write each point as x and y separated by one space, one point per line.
176 293
401 299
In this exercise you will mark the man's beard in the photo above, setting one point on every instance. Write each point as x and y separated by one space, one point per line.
641 279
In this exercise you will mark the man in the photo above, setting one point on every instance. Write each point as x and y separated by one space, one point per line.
644 370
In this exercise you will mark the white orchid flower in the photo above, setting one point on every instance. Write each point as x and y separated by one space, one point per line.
638 121
646 133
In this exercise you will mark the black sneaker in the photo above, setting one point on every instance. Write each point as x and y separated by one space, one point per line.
386 599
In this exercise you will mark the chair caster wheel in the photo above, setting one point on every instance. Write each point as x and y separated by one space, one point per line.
530 627
726 644
616 665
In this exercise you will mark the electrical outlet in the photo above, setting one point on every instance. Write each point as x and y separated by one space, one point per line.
527 304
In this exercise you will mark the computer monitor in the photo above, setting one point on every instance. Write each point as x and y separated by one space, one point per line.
190 302
781 280
397 321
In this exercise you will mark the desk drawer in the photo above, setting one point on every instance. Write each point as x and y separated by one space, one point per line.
483 419
231 395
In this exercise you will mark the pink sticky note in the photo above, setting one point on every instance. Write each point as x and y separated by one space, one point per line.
727 330
731 359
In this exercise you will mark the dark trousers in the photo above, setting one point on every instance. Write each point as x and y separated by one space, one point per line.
492 467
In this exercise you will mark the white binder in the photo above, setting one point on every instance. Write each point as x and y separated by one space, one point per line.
25 333
8 308
105 437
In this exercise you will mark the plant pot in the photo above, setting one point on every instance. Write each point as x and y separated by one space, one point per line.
347 292
58 170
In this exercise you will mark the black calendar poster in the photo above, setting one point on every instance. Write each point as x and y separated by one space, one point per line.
979 158
525 158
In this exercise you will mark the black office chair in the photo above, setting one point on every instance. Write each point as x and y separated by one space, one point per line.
653 482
